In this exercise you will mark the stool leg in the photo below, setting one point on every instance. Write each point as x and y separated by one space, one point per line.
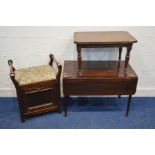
128 106
60 101
65 104
56 98
21 102
23 119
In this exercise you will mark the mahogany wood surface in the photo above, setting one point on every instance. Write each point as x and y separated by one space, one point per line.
100 78
104 37
90 69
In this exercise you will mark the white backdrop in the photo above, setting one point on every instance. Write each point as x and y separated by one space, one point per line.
30 46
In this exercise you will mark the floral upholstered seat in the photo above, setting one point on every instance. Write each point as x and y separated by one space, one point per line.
32 75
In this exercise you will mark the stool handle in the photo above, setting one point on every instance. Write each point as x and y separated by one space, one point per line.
52 58
12 69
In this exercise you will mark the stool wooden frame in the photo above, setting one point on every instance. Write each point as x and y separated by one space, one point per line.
45 95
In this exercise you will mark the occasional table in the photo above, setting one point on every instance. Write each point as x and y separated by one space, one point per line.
108 39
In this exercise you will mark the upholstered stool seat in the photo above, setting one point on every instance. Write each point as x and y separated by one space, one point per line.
33 75
38 88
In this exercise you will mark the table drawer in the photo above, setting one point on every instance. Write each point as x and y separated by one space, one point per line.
99 86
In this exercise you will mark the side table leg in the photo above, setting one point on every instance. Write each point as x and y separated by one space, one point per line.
120 53
127 57
128 106
79 56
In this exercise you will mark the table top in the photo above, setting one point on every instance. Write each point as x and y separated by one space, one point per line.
97 70
104 37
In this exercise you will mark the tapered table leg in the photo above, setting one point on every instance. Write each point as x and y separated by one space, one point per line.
128 106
